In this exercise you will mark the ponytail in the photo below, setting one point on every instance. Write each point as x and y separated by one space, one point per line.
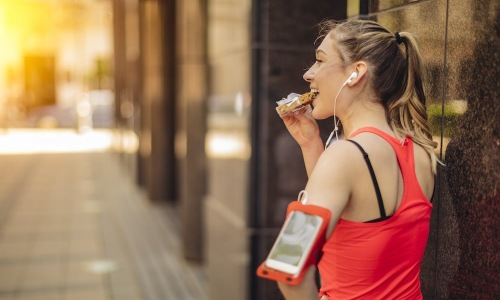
407 115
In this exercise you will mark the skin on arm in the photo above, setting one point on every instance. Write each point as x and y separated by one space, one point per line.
304 129
306 290
331 182
329 186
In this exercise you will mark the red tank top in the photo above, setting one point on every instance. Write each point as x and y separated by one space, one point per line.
380 260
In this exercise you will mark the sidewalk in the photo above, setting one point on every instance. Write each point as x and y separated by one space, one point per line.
74 226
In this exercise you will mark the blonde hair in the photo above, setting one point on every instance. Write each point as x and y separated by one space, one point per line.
395 76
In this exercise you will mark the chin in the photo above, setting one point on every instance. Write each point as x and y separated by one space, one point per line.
318 115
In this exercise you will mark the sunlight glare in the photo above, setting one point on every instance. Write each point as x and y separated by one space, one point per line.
33 141
227 145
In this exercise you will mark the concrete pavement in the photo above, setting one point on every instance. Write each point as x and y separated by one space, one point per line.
74 226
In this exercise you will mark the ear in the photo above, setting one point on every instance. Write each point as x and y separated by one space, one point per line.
361 68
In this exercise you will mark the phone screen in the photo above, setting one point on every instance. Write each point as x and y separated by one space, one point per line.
294 242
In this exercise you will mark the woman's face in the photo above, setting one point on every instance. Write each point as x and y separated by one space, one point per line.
327 76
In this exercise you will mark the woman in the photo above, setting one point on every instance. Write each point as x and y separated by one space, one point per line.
370 79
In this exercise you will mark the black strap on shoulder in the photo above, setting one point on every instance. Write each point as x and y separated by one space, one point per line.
374 180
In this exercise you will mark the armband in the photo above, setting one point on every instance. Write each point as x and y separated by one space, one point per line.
298 244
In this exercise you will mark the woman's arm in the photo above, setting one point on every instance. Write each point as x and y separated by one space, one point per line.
331 182
329 186
305 290
311 155
304 129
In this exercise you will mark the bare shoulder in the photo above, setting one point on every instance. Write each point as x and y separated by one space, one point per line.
336 158
375 145
333 176
421 156
332 179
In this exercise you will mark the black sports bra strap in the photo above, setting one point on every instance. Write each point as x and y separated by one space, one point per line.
374 179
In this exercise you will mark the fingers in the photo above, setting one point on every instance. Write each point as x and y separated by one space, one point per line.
301 117
288 119
301 111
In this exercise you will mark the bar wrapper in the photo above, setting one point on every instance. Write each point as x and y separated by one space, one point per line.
294 102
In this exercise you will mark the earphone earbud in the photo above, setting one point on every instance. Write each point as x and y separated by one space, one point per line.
353 76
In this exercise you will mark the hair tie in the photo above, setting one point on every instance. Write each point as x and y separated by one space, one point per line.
398 38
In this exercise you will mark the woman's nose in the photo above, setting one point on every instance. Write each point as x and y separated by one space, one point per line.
308 75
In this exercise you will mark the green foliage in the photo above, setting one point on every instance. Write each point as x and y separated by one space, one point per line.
449 118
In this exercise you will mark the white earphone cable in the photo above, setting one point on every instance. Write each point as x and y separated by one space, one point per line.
335 120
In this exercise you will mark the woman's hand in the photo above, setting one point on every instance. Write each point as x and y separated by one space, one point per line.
305 131
302 127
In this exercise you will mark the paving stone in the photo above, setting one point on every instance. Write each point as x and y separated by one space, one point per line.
74 226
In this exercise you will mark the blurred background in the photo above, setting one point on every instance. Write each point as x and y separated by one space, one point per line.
57 64
142 157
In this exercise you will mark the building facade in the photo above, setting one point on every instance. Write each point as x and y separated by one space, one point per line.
197 80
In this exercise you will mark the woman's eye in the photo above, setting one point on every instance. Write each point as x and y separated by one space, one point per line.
317 61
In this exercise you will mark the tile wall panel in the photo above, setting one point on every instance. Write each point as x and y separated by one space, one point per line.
381 5
472 133
291 24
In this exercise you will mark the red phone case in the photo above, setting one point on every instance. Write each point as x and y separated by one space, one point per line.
268 273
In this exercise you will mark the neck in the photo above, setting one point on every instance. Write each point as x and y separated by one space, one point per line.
369 115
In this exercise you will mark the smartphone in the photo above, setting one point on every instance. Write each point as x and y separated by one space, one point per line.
294 243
